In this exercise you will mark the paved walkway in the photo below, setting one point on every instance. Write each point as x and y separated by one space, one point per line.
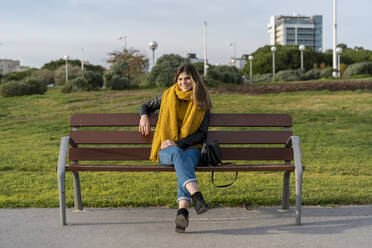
348 226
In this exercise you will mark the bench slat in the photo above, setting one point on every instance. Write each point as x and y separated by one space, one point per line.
220 120
223 137
271 167
228 153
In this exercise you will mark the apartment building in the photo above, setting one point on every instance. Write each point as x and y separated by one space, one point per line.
297 30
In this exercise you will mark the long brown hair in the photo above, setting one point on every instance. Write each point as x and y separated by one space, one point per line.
200 94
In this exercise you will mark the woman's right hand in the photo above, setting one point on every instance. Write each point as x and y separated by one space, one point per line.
144 125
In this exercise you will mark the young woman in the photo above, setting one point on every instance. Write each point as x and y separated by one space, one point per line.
181 129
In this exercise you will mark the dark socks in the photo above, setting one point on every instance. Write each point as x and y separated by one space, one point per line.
182 220
199 204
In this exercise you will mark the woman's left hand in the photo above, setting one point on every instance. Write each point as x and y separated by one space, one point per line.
167 143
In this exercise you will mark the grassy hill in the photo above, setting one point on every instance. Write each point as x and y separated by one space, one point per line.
335 130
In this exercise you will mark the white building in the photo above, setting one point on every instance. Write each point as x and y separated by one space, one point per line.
238 62
297 30
8 65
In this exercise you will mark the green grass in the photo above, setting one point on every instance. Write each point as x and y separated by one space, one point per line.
335 131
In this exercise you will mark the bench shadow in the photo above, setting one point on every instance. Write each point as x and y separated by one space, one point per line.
355 217
318 228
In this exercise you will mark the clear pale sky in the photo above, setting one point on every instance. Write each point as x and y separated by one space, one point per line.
38 31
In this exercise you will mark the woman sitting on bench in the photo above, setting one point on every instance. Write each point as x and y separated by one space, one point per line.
181 129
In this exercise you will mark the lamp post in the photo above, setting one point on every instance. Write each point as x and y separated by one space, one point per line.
250 66
273 49
153 45
302 48
205 49
233 44
335 74
124 37
82 59
66 58
338 51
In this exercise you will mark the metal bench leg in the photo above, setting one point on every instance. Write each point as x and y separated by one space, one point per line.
77 192
61 179
285 196
299 171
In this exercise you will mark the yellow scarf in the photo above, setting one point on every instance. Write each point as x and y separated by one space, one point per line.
178 118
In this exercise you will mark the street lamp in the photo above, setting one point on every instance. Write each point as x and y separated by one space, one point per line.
125 41
66 58
153 45
335 74
273 49
338 51
233 44
82 59
250 66
302 48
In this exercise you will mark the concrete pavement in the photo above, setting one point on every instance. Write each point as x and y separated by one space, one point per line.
346 226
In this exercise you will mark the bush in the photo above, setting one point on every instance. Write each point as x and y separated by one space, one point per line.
17 76
210 82
78 84
289 75
43 76
226 74
358 68
163 72
117 78
311 74
267 77
27 87
326 73
60 74
119 82
93 78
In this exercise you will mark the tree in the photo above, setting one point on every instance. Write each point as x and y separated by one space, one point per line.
137 62
286 57
163 72
55 64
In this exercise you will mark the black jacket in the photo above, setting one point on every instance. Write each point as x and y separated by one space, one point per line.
196 138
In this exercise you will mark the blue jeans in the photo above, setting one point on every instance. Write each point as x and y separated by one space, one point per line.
185 162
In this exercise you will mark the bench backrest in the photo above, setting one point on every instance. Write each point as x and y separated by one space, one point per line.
260 138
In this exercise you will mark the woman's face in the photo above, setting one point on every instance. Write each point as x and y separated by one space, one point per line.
184 81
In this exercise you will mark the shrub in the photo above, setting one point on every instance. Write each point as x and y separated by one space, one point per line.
210 82
311 74
163 72
27 87
17 76
60 74
289 75
358 68
43 76
226 74
78 84
119 82
267 77
93 78
326 73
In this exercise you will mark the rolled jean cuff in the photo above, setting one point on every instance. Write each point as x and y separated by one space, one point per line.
189 181
184 198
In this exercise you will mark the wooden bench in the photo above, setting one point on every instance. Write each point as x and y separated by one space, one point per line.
92 145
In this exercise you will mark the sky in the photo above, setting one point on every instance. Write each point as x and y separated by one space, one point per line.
38 31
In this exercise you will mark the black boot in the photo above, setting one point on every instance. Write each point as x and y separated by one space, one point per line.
199 204
182 220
